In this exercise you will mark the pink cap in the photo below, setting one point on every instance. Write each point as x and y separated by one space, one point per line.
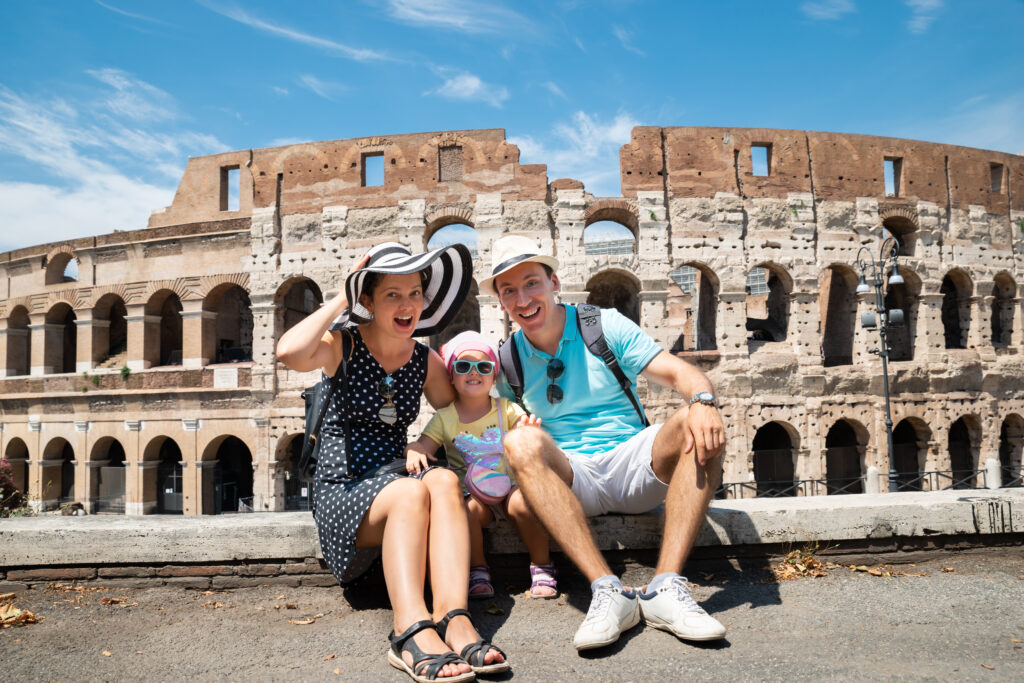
467 341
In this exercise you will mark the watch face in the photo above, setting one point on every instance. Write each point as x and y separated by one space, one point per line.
705 396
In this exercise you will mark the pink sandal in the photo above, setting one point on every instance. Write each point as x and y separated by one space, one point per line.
543 576
480 587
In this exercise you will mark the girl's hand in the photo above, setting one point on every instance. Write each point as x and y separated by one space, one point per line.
416 461
527 421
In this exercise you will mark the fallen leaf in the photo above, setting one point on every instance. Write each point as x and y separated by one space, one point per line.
990 668
277 606
337 672
211 604
948 569
875 572
6 597
708 577
326 657
305 622
290 605
138 652
106 653
113 601
494 609
279 597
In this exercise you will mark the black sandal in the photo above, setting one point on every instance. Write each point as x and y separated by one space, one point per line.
474 653
422 671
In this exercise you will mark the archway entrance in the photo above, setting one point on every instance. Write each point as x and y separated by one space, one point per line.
615 289
843 455
298 490
233 477
962 448
109 477
908 452
1011 445
773 461
169 479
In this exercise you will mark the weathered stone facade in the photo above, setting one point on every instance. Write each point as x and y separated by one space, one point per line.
155 363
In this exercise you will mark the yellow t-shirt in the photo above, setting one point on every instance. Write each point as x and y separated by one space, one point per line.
481 438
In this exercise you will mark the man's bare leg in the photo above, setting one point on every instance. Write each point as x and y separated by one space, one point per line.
545 477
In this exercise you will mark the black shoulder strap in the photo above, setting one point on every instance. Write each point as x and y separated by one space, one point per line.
339 374
588 320
512 366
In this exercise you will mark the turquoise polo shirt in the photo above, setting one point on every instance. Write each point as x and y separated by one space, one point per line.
594 415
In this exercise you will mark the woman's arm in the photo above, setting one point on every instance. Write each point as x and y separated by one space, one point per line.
438 386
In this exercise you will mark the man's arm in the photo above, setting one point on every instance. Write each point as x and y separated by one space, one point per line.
704 422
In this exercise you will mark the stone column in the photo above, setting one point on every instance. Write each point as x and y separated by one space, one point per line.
134 500
263 342
141 329
198 334
930 342
204 487
263 469
85 469
5 366
91 334
35 467
191 481
38 329
979 334
865 339
653 314
803 330
732 324
488 221
935 459
1017 339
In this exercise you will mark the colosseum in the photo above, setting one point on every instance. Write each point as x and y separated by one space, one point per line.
138 373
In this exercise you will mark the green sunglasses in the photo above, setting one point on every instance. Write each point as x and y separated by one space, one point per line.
464 367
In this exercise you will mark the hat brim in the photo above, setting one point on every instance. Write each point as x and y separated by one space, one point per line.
449 274
487 284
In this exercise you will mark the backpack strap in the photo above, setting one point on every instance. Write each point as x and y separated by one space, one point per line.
512 366
309 447
588 320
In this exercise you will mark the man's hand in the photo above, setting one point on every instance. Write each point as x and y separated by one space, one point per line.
704 431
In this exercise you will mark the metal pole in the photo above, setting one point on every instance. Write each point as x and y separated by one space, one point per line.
884 353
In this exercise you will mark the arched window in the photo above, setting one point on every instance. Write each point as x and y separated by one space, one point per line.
904 231
608 238
19 343
163 340
16 455
693 307
453 233
233 324
59 472
108 479
296 299
1004 290
768 290
233 477
774 461
616 289
956 293
964 442
110 331
62 267
844 452
838 304
169 479
60 350
910 446
905 297
1011 444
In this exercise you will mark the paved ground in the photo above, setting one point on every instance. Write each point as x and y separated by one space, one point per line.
964 624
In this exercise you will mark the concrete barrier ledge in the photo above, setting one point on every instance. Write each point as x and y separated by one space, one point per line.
141 540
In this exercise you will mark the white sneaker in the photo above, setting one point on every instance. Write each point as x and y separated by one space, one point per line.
611 612
672 609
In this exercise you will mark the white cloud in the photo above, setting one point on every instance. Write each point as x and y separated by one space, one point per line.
586 149
554 89
981 121
468 87
131 15
828 10
243 17
134 98
923 14
325 89
625 37
279 90
103 174
458 15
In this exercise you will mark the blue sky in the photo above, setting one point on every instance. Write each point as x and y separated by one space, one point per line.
102 102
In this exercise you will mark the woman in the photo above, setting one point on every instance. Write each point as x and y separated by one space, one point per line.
394 296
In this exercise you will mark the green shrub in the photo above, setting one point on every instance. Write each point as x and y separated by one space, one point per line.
11 499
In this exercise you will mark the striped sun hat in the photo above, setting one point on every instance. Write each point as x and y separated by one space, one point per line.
449 271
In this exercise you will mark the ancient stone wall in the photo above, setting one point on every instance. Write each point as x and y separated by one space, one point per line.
170 330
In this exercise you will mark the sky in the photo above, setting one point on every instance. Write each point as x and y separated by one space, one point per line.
102 102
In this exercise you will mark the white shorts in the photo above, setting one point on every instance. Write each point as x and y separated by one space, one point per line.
620 480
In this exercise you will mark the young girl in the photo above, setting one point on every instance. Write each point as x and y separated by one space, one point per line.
471 430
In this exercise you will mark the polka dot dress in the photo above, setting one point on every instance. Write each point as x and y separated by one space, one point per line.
342 503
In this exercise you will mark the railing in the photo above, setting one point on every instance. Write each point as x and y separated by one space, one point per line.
924 481
1010 481
937 480
245 504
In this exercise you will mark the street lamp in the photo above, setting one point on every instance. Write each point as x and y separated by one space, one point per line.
887 261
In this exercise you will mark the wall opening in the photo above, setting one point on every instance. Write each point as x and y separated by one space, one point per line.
892 172
162 341
956 293
615 289
169 498
904 231
838 302
59 472
1011 445
233 477
1003 293
963 447
995 172
449 163
298 489
108 481
298 300
110 332
761 159
62 267
910 447
773 461
373 169
905 296
693 308
768 290
16 455
232 325
608 238
844 454
453 233
230 188
19 343
60 350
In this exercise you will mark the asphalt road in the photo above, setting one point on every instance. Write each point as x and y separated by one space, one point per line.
963 624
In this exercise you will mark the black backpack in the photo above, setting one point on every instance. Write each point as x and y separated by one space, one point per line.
588 321
317 398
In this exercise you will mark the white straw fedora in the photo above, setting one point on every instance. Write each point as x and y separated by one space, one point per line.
510 251
449 271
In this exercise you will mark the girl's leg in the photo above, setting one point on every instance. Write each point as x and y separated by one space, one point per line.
397 521
535 538
480 516
448 555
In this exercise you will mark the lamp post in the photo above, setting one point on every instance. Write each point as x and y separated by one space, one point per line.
887 260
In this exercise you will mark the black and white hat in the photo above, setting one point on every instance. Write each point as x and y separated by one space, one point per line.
449 271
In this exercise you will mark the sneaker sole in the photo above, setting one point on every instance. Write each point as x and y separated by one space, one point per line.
605 643
681 636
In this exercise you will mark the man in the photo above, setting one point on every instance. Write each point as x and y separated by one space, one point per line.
594 455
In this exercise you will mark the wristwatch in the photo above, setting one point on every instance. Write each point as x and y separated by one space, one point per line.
705 397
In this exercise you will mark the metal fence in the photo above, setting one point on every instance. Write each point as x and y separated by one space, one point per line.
936 480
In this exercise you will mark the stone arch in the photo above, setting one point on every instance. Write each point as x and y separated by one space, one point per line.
107 462
443 216
906 297
56 263
1004 294
164 484
109 328
232 481
901 222
621 211
298 488
774 448
693 307
838 304
59 471
60 347
957 289
16 455
228 336
963 445
19 342
1011 446
162 336
910 439
769 287
618 289
845 445
295 299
